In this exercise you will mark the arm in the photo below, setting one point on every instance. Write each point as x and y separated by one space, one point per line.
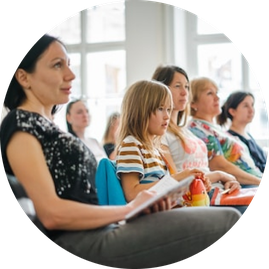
217 175
229 181
220 163
131 185
130 167
29 166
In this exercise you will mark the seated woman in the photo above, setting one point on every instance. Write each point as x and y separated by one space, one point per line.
239 109
77 120
110 135
225 152
57 171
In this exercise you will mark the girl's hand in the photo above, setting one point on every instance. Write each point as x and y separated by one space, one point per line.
207 183
198 174
188 172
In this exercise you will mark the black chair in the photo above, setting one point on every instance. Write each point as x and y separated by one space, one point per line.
24 202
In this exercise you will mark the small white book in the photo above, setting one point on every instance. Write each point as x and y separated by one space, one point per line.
166 187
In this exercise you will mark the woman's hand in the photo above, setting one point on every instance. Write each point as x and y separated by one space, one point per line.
161 205
232 185
224 177
229 181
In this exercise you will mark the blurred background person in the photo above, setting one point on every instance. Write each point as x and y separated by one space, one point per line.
77 120
110 135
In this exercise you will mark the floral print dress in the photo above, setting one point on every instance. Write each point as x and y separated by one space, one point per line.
220 142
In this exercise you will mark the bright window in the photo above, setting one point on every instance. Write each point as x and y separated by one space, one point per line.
212 54
106 84
95 42
106 74
224 68
75 63
69 30
106 23
204 28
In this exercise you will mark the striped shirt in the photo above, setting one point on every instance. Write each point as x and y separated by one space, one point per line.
133 157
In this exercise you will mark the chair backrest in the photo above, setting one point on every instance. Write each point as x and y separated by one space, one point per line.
24 202
109 190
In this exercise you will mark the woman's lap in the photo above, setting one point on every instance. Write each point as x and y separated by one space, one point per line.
152 240
240 208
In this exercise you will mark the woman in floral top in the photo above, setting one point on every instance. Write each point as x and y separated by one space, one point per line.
225 152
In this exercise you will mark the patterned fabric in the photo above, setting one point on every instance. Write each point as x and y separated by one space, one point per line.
71 164
133 157
192 154
257 154
220 142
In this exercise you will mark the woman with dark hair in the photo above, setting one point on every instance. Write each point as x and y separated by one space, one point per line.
166 74
57 171
15 95
77 120
239 109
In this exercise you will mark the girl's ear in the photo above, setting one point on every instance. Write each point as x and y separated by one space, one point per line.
22 77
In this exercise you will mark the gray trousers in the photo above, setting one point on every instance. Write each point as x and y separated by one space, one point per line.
152 240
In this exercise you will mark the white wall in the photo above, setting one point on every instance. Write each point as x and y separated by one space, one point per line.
144 39
179 37
149 38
